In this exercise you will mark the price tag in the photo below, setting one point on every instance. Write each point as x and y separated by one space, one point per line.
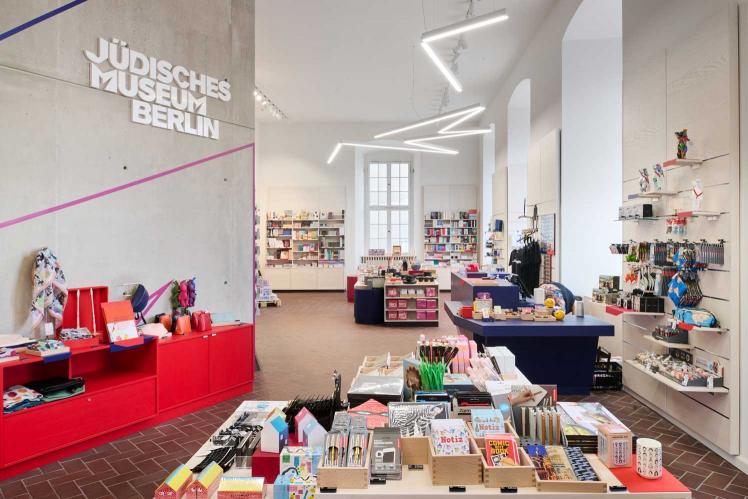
685 380
710 382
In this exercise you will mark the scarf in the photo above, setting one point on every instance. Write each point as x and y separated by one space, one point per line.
50 291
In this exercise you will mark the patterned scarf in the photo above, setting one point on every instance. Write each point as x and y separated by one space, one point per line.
50 291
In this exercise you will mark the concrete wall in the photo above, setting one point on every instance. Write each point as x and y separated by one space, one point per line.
63 140
294 155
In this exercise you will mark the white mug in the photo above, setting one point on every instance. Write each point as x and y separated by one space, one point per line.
649 458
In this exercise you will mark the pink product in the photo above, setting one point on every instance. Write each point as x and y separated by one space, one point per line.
421 316
431 304
421 303
431 315
392 292
392 304
402 316
431 292
402 303
391 316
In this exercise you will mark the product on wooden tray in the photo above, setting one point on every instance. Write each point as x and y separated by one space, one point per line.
581 467
501 449
386 457
414 418
540 425
450 437
486 421
375 412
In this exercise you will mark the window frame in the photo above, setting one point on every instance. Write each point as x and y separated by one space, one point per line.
389 207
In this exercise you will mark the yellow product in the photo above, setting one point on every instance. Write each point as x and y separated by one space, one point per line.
550 302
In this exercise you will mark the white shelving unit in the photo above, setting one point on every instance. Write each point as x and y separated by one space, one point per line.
672 384
450 237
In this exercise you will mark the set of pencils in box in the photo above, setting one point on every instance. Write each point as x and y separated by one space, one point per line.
347 442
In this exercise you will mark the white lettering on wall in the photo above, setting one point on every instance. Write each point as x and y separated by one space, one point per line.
163 95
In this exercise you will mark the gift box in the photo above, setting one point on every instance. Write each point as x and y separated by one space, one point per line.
421 303
421 316
402 316
392 304
392 292
391 316
431 315
431 304
431 292
402 304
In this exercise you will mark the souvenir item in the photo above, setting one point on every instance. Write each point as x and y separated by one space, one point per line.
486 420
648 458
450 437
414 418
562 469
175 484
386 457
683 141
303 460
541 462
290 486
19 397
207 482
643 180
501 450
120 321
78 332
50 290
614 445
695 317
659 177
376 413
580 466
244 488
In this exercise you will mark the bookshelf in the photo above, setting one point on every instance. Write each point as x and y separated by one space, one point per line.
305 239
450 237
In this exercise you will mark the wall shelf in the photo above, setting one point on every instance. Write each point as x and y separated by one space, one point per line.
651 195
681 346
672 384
672 163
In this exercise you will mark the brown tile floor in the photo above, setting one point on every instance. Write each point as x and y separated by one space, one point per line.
298 345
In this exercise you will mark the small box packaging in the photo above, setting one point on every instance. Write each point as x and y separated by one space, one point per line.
614 446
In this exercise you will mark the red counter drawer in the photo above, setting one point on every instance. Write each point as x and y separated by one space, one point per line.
32 432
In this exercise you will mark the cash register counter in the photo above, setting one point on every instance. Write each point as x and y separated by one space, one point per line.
561 353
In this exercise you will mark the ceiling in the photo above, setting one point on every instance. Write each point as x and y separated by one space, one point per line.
360 60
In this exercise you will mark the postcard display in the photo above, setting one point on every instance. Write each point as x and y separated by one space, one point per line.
688 173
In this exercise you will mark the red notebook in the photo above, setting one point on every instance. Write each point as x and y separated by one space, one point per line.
501 449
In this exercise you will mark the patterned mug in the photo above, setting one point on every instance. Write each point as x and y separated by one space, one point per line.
648 458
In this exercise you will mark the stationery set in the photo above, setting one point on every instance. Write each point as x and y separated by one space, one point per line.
413 419
553 462
386 454
540 425
486 421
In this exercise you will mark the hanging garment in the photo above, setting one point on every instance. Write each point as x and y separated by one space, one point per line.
525 262
50 291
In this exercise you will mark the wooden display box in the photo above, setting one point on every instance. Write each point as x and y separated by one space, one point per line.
573 486
415 450
495 477
505 476
333 477
456 470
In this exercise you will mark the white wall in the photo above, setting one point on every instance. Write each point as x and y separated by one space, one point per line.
295 154
591 145
62 140
541 63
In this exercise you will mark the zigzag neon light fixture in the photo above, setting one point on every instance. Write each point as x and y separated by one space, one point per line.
457 29
423 144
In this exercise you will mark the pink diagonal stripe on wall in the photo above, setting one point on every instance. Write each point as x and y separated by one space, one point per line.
112 190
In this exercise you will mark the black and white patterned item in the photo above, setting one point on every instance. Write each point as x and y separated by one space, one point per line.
580 465
414 418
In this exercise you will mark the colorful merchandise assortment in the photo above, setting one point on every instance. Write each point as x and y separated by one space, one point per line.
686 371
232 487
19 397
554 462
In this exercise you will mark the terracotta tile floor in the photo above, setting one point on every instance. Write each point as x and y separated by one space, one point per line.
298 346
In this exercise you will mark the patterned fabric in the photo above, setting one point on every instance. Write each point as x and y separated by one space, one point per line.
50 290
19 397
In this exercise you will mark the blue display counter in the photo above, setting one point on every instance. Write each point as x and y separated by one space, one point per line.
561 353
464 289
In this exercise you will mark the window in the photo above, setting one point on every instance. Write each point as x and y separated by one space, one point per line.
388 203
